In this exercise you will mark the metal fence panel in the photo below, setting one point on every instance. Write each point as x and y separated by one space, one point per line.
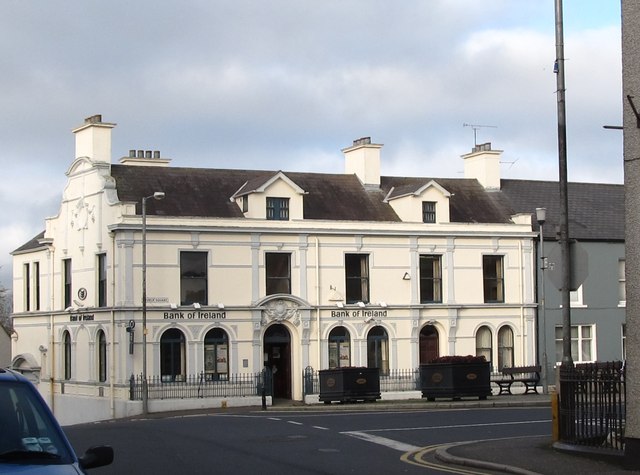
199 386
593 405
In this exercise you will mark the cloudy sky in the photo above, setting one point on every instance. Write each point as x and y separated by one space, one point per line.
286 84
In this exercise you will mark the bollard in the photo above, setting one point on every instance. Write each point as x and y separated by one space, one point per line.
264 397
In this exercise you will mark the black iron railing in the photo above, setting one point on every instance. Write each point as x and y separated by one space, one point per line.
201 386
592 408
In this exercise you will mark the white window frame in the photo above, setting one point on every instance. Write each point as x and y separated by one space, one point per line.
577 298
578 358
622 283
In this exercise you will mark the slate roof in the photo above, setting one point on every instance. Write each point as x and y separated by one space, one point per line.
596 210
30 245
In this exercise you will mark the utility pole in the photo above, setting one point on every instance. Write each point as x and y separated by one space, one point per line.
564 200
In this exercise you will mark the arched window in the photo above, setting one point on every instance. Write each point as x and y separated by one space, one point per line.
378 349
339 348
66 354
172 360
429 344
102 356
484 345
216 355
505 347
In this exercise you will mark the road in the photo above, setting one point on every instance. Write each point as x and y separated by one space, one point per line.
301 442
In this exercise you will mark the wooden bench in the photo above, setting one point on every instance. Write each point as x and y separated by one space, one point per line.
527 375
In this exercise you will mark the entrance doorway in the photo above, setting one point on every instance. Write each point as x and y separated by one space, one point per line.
429 344
277 357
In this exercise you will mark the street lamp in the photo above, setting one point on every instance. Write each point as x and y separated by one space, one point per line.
158 195
541 217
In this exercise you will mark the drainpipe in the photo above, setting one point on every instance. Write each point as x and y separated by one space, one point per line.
520 297
318 299
52 344
112 404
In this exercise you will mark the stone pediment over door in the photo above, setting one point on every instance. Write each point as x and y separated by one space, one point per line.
281 308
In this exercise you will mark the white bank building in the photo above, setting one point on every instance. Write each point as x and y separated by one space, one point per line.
199 274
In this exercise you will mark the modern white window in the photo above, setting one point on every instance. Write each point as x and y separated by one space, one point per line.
622 283
582 343
576 299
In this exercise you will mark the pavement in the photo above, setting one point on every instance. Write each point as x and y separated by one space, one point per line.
525 455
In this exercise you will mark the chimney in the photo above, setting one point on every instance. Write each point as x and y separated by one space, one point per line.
483 164
93 139
145 158
363 160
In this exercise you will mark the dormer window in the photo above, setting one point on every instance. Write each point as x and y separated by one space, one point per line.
278 209
428 211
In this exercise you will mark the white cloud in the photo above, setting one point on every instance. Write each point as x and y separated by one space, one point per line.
286 84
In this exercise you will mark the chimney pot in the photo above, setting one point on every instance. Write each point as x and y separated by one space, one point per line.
94 119
362 141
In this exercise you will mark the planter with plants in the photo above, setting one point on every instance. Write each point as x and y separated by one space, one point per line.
456 377
349 384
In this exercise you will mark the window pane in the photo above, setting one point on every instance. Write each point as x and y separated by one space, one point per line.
66 264
493 278
430 279
172 355
428 212
193 278
102 280
357 278
278 209
278 273
36 276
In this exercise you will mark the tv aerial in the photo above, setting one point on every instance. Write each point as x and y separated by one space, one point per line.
475 128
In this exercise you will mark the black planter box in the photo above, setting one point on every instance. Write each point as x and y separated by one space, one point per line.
455 380
349 384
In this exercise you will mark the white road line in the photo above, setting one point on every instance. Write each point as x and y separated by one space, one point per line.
320 427
274 418
392 444
295 423
490 424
